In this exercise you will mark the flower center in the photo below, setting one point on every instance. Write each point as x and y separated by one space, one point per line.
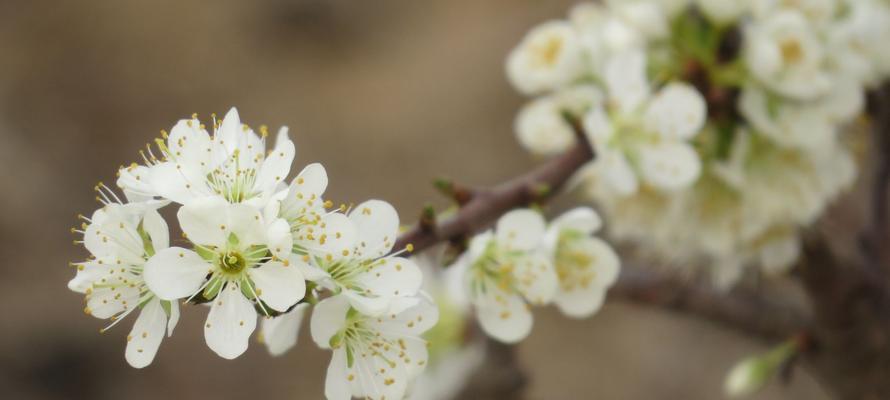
232 262
792 52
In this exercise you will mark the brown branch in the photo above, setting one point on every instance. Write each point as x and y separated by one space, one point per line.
743 309
486 205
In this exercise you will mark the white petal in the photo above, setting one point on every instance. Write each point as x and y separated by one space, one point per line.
678 111
189 144
393 276
173 318
157 230
204 221
337 386
229 130
280 240
520 229
179 182
581 219
582 302
670 166
135 182
413 321
536 278
246 223
277 165
625 77
280 333
541 129
335 234
231 320
597 127
106 302
504 316
778 256
617 172
368 305
175 273
146 335
312 180
278 284
328 318
87 273
377 223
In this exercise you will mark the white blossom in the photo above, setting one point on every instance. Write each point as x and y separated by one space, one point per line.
504 270
232 266
540 125
231 164
548 57
585 265
120 239
784 52
373 357
373 280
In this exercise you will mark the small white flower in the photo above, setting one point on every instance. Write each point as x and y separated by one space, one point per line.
858 42
372 280
193 164
373 357
648 135
548 57
585 265
504 270
540 126
786 55
121 238
232 266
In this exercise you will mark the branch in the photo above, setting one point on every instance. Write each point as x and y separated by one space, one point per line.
484 206
743 309
878 233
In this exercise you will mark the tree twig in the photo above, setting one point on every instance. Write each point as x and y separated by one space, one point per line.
743 309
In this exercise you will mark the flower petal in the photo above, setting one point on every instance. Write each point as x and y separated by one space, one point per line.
246 223
328 317
277 165
231 320
377 224
204 221
678 110
175 273
583 220
625 76
179 182
337 384
279 284
280 240
617 172
173 318
503 316
520 229
280 333
146 335
157 230
582 302
394 276
670 166
536 278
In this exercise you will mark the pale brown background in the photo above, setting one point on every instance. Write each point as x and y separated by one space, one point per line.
387 94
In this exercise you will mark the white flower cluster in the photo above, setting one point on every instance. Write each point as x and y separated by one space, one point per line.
524 262
716 124
254 246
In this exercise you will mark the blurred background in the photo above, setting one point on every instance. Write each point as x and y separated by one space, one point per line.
387 94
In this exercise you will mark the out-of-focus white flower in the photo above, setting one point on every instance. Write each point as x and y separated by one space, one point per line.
788 123
373 281
722 12
786 55
300 223
858 42
503 270
585 265
819 12
547 58
121 238
373 357
648 135
231 164
231 249
540 126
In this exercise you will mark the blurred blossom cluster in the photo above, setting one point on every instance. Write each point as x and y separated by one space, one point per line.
717 125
